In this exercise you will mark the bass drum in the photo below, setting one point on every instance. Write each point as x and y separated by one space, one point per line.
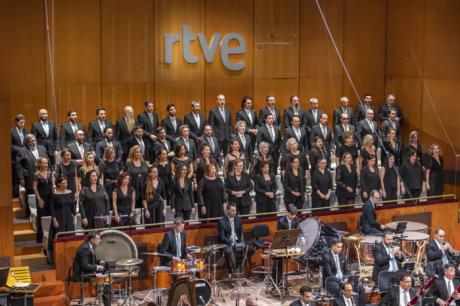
115 245
316 237
195 292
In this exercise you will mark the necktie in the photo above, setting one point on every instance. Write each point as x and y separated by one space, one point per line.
187 144
345 128
102 125
81 149
35 153
232 225
21 136
141 143
74 128
272 133
178 246
166 145
324 131
349 302
337 263
450 287
151 118
393 264
243 141
289 224
46 128
314 115
393 125
297 133
273 113
197 119
406 297
371 124
211 143
173 121
249 116
222 112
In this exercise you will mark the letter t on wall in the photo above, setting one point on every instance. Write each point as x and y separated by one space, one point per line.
170 39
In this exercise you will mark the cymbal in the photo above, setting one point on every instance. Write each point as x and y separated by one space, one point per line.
194 249
129 262
156 254
213 247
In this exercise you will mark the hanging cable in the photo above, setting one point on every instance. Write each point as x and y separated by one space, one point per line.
50 58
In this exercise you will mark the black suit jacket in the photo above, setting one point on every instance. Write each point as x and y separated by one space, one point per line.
195 130
16 144
214 153
387 124
50 142
264 135
102 145
383 112
392 298
337 115
162 145
247 149
338 133
299 303
95 134
143 120
360 112
85 261
122 134
243 116
190 151
26 164
244 184
171 133
311 122
147 147
67 134
439 289
433 252
168 246
316 131
368 218
222 129
283 223
289 113
382 261
303 141
278 120
364 129
329 265
224 230
76 153
182 199
340 301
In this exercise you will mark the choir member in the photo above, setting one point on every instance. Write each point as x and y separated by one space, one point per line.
68 169
434 171
294 110
346 180
312 115
391 145
42 186
412 176
220 119
45 131
110 168
348 146
88 165
212 197
389 180
262 156
69 129
124 129
154 201
183 199
369 178
317 152
270 109
233 154
137 169
95 203
97 127
343 109
238 186
181 159
414 145
123 199
321 183
204 159
171 124
249 116
294 184
196 121
265 187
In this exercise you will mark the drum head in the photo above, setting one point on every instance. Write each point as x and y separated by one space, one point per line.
311 230
415 236
196 292
115 245
371 239
161 269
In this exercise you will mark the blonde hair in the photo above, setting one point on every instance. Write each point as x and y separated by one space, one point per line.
85 166
130 122
131 153
368 141
107 152
431 149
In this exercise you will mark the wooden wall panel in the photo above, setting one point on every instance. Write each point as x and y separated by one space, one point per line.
127 48
233 90
4 51
76 45
282 89
327 89
27 64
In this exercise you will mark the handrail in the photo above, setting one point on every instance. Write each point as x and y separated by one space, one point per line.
308 210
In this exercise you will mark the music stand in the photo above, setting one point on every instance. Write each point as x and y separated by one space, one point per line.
400 227
4 275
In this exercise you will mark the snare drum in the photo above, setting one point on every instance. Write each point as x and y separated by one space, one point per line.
366 249
411 243
178 267
162 277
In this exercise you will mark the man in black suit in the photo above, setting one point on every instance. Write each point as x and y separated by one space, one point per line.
270 134
171 124
343 109
96 127
244 140
86 264
195 121
79 147
162 143
346 297
248 115
445 286
298 133
230 233
439 250
174 243
69 128
306 297
18 135
187 142
313 114
323 131
402 294
367 126
108 141
138 139
368 219
387 256
211 141
270 109
361 109
391 122
124 129
294 110
341 128
148 121
390 104
220 119
45 132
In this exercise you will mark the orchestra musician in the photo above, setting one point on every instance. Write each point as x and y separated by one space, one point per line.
438 248
368 218
388 257
174 243
230 233
306 297
346 298
401 295
445 287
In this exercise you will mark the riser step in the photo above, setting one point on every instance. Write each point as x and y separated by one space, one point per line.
24 235
30 260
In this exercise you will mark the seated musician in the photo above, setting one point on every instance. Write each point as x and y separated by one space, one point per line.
387 257
86 264
335 271
230 233
401 295
306 297
439 249
445 286
174 243
346 297
368 219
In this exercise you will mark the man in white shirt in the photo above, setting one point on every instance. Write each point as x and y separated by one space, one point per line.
367 126
445 287
346 298
306 297
174 243
401 295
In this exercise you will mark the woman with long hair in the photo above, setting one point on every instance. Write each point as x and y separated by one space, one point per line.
42 186
369 178
164 172
294 184
211 194
137 169
392 146
368 149
154 202
88 165
110 170
319 151
182 194
265 188
389 180
233 154
346 180
434 171
123 199
204 159
68 169
238 186
321 185
180 159
263 156
95 203
412 176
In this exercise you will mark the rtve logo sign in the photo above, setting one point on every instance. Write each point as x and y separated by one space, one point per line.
208 49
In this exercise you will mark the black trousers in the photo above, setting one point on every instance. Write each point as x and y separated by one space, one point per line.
228 251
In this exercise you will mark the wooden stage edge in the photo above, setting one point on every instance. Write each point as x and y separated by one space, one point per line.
443 214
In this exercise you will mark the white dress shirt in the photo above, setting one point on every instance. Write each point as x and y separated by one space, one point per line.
45 127
248 112
197 119
222 112
404 297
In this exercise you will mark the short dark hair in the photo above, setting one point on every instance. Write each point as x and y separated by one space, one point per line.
72 110
231 204
168 107
367 94
342 286
292 209
448 266
267 114
19 117
92 235
403 276
147 102
137 127
107 128
160 129
335 241
304 289
178 221
99 109
243 101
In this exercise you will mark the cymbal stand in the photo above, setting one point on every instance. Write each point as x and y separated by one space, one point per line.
212 276
130 298
268 277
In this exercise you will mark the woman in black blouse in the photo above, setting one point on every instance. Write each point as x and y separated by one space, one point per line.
318 152
348 146
42 186
265 187
180 159
123 199
110 170
238 186
392 146
203 161
367 150
434 171
258 159
346 180
369 178
292 150
412 176
95 203
211 193
233 154
182 194
68 168
137 169
155 197
164 172
294 184
321 184
389 180
414 145
87 166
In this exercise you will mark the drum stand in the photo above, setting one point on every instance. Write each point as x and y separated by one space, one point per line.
269 279
130 298
216 289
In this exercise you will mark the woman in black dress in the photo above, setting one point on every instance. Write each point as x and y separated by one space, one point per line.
233 155
392 146
155 197
389 180
414 145
369 178
238 186
42 186
258 159
265 188
346 180
110 170
321 184
348 146
63 210
95 203
319 151
434 169
201 164
412 176
182 194
164 172
367 150
87 166
292 150
68 168
180 159
294 184
123 199
137 169
211 193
